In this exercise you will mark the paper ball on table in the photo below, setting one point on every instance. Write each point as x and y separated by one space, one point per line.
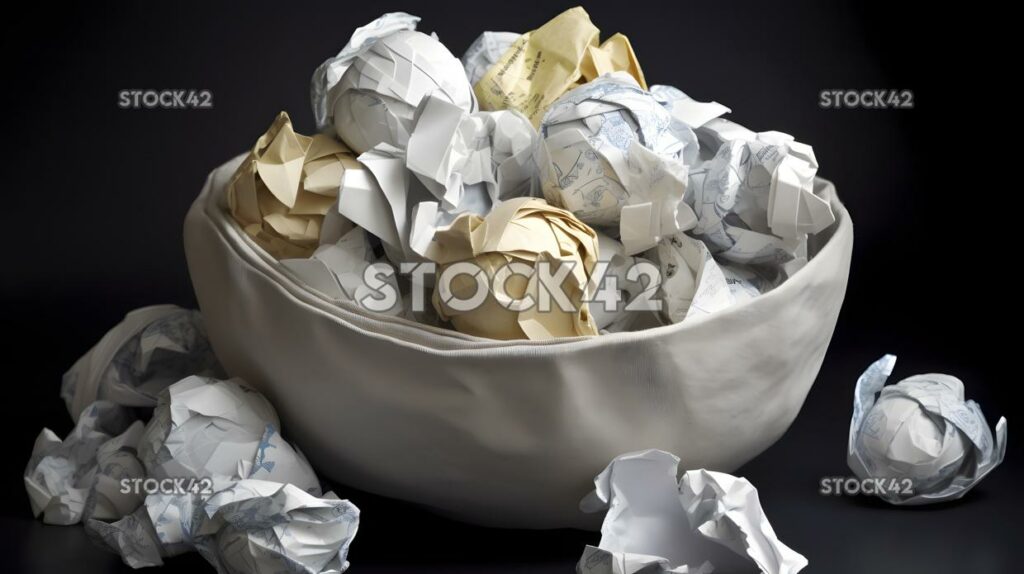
369 91
221 431
259 527
152 348
514 238
909 444
617 158
922 431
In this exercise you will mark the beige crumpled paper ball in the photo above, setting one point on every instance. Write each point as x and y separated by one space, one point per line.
285 186
510 242
541 65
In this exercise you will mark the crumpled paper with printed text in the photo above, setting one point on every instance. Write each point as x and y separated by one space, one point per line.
150 349
541 65
923 430
617 158
755 200
242 496
484 52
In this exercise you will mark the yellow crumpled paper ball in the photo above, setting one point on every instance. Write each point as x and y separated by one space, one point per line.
545 63
285 186
521 232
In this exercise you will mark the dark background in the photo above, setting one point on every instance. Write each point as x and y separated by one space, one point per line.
95 196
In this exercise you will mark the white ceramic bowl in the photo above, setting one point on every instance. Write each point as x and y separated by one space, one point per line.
507 433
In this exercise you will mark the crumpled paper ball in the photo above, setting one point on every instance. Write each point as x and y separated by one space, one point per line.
285 186
384 200
61 474
615 306
238 493
522 232
339 270
484 52
222 431
369 91
455 162
150 349
451 150
132 537
468 162
248 526
922 430
541 65
686 109
380 199
618 159
693 284
266 527
116 461
755 200
656 523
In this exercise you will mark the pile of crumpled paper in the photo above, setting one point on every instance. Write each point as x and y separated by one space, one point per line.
682 212
211 472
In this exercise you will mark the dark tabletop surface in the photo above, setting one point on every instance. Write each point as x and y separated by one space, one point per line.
96 196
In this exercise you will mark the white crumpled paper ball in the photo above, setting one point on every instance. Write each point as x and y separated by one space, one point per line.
657 522
61 475
455 162
116 461
484 52
922 430
756 198
613 155
484 154
150 349
693 284
222 431
266 527
369 91
624 278
250 526
908 443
